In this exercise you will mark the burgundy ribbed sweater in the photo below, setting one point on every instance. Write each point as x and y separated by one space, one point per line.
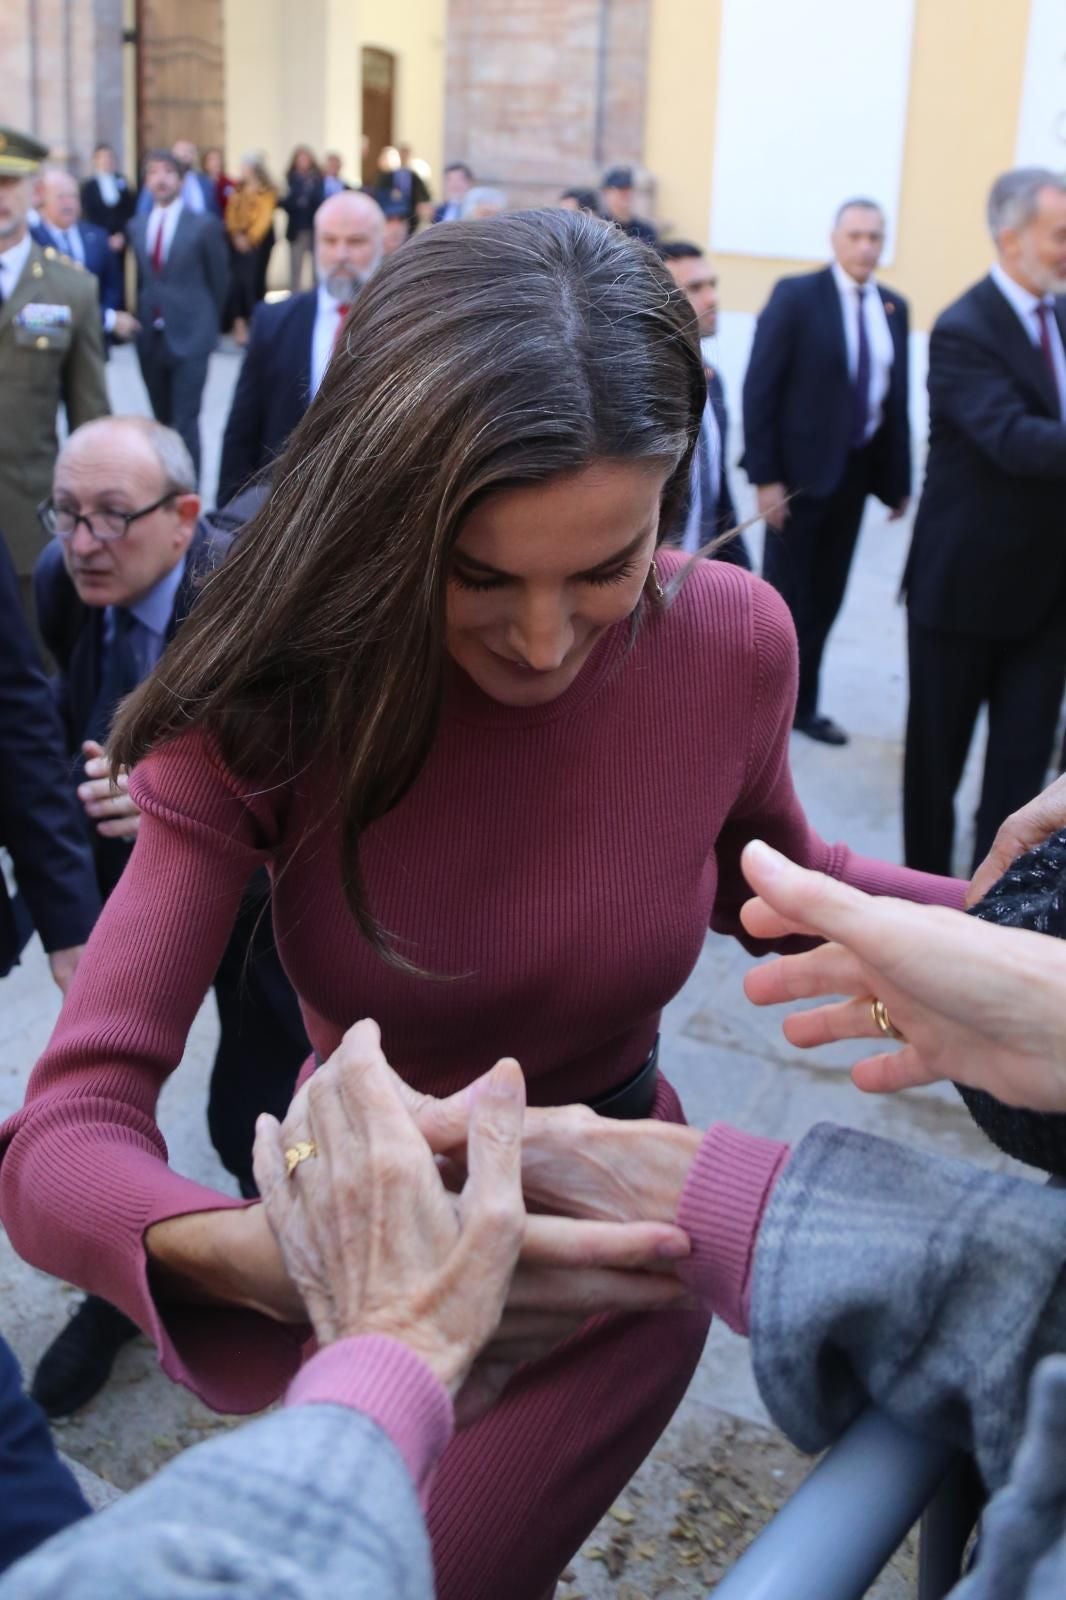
561 864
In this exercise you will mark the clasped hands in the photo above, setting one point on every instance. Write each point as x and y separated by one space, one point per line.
413 1218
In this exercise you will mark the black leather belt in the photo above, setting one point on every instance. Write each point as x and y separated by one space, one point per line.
631 1102
635 1099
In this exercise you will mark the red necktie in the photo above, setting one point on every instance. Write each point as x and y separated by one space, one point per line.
157 248
1043 315
342 312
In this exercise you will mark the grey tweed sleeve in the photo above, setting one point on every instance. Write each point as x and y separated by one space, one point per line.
310 1503
923 1284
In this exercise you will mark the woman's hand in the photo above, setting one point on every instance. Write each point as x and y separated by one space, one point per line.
1022 830
366 1228
977 1004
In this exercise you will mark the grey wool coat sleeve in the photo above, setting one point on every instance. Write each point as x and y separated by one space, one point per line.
312 1502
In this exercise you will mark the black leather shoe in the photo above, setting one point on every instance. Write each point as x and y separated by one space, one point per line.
824 729
78 1362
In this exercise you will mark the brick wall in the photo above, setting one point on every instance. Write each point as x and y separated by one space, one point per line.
61 67
545 94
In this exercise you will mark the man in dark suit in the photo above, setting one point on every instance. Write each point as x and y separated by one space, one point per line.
61 226
985 580
108 201
40 821
198 193
708 513
825 425
112 588
457 182
184 277
617 193
291 342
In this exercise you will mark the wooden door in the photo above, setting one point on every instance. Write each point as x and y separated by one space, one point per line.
379 87
180 84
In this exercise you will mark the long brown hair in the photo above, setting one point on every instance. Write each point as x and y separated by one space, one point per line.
482 355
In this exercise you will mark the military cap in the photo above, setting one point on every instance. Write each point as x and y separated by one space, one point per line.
20 153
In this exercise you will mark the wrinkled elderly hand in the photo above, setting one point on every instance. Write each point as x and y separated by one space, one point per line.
367 1230
1022 830
977 1004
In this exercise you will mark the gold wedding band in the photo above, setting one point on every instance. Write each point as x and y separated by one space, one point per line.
882 1021
302 1150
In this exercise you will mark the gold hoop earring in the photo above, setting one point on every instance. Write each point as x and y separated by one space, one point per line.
656 585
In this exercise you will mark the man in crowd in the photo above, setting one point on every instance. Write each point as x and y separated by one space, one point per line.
291 342
986 576
332 182
399 188
112 588
40 820
709 512
198 193
184 278
108 201
618 205
51 353
825 425
84 243
458 181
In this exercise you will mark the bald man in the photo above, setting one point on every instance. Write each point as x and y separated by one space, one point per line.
61 226
291 342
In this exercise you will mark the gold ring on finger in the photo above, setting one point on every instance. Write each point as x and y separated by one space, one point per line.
302 1150
883 1022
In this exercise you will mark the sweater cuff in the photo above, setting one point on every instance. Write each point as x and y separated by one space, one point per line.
721 1210
392 1386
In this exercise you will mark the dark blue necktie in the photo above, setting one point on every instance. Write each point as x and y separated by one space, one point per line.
860 390
119 676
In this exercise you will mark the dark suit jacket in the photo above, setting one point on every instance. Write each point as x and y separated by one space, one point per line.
797 393
273 390
100 260
191 290
112 219
73 633
40 1496
988 556
722 518
40 819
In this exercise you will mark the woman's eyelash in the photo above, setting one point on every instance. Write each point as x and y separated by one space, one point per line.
596 580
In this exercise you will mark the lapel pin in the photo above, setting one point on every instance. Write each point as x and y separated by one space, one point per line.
890 306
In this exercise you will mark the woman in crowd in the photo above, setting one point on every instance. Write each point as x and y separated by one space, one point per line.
250 229
303 196
501 759
214 165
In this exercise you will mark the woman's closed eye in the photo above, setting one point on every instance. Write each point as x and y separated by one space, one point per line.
601 579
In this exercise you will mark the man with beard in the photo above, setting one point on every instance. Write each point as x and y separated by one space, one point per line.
290 343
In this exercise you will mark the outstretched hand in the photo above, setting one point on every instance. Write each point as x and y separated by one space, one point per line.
976 1004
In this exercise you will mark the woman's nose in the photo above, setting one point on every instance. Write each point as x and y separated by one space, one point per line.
543 634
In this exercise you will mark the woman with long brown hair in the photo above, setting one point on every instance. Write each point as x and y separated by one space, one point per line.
501 761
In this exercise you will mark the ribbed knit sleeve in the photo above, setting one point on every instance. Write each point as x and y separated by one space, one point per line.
84 1166
769 808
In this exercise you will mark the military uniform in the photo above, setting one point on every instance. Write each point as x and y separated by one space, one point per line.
51 353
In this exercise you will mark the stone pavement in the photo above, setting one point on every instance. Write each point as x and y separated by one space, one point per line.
718 1470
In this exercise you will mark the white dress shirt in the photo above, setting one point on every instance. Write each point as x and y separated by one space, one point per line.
879 338
706 471
328 319
167 218
108 187
12 265
1024 305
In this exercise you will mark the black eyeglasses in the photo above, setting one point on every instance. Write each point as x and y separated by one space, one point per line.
61 522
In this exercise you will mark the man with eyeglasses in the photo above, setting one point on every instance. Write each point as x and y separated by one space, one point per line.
120 576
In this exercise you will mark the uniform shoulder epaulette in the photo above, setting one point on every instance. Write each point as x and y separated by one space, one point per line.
52 254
